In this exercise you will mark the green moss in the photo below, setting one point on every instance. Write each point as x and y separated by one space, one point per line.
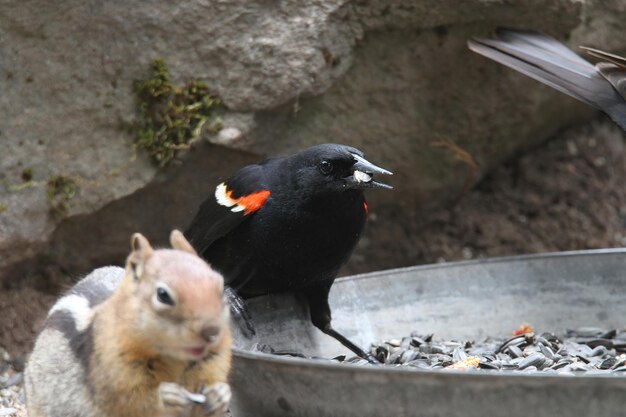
19 187
60 190
3 208
171 117
27 181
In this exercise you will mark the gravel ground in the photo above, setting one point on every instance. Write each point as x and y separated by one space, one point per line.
11 390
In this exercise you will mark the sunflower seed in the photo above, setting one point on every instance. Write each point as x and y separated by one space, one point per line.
536 359
586 350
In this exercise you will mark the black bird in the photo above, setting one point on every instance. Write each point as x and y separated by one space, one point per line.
288 224
545 59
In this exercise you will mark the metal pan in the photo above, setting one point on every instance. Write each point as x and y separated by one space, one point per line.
454 300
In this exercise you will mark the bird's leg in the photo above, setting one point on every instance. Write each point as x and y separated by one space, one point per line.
321 318
239 311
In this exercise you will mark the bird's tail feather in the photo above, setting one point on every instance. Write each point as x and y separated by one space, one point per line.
550 62
615 59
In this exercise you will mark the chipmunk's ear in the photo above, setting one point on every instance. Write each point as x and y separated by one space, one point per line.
178 241
141 251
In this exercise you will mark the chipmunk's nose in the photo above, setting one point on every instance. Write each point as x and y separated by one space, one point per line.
210 333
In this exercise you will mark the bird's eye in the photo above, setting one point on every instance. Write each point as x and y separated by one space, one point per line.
164 297
326 167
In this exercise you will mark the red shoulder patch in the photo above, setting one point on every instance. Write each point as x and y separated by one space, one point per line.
365 207
253 202
247 203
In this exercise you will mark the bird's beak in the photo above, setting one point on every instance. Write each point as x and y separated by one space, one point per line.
363 171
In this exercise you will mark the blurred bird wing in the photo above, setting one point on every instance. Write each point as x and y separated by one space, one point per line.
615 59
614 70
550 62
232 202
616 75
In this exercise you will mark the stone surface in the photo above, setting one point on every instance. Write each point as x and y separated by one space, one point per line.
564 195
395 80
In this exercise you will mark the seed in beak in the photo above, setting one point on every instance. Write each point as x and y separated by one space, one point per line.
360 176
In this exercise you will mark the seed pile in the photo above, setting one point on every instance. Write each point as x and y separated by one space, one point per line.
581 351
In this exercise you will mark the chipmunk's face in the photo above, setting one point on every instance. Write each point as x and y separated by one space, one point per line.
182 311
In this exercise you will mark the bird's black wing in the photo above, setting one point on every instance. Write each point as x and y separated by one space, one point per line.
232 202
552 63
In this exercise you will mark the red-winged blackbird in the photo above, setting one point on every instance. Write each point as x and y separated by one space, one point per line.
288 224
544 59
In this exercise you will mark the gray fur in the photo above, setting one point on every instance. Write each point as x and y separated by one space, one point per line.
99 285
55 375
54 380
81 342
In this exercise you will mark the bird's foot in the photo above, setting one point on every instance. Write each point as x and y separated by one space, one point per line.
347 343
370 358
240 312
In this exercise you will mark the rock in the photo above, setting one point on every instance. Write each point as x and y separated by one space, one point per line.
395 80
176 195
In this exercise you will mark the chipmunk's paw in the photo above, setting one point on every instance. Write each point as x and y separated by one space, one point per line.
174 400
217 399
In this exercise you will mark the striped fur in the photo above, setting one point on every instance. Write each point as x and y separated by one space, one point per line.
55 379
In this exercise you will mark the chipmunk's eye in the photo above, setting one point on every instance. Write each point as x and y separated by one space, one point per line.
164 297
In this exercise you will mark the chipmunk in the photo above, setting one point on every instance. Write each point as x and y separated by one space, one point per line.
149 340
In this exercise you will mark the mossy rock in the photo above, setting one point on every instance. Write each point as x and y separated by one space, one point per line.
60 190
171 117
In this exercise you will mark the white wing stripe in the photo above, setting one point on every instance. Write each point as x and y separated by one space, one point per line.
221 195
